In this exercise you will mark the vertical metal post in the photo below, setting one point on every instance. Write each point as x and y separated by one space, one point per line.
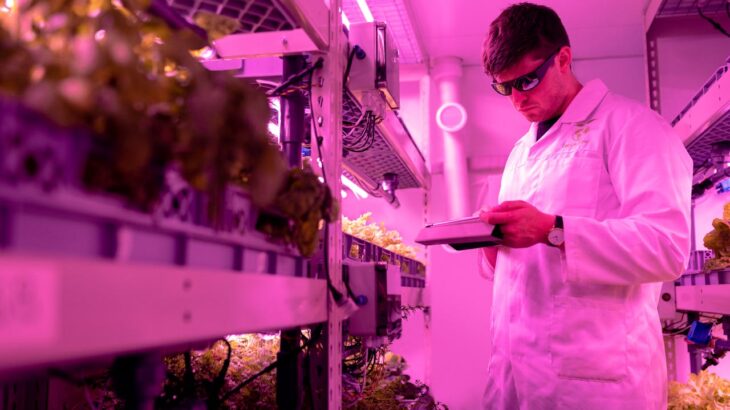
289 376
138 379
670 353
289 373
652 73
292 114
327 113
692 232
695 353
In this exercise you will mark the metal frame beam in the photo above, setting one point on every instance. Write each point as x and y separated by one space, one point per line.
61 310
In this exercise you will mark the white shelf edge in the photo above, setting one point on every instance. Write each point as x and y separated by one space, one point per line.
414 297
404 147
652 8
703 298
313 16
265 44
60 310
708 109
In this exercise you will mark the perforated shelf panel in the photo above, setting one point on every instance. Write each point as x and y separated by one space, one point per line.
380 158
701 147
674 8
254 15
708 114
705 88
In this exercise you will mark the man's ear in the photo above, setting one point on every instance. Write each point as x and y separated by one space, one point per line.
565 59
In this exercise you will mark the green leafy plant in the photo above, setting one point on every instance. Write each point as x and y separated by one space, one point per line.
703 391
110 67
299 211
249 354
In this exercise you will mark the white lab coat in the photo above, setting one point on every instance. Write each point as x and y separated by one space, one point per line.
579 328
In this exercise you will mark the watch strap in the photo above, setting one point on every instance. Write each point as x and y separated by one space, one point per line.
558 221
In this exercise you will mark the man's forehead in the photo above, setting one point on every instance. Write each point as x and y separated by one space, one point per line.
526 64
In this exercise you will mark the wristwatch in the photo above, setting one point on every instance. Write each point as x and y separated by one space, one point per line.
555 236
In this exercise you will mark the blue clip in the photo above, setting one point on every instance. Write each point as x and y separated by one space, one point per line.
723 186
700 333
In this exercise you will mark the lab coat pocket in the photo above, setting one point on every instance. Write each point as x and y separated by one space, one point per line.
588 339
582 183
571 182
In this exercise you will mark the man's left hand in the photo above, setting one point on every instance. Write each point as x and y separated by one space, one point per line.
522 224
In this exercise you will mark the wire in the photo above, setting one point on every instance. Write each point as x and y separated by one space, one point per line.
315 336
289 82
714 23
89 400
365 373
672 328
220 380
336 294
317 138
349 290
357 123
364 134
349 65
369 135
246 382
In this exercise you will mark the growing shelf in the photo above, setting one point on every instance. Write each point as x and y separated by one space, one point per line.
268 27
84 275
59 310
704 298
657 9
392 151
414 297
706 118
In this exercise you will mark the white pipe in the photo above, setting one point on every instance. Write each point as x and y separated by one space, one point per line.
447 72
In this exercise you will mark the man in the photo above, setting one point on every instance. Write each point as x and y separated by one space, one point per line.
595 208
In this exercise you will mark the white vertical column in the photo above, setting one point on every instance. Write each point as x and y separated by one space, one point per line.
451 118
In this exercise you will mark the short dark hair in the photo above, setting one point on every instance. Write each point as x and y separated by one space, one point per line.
519 30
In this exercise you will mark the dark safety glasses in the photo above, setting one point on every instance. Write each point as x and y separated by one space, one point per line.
526 82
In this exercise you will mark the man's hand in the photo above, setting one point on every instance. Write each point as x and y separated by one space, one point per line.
521 223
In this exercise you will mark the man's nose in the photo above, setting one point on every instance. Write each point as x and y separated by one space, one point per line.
518 96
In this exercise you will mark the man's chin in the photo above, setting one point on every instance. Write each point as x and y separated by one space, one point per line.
532 117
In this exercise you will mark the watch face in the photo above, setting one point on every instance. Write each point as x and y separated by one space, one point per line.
555 237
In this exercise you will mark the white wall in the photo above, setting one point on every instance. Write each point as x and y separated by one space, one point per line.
460 299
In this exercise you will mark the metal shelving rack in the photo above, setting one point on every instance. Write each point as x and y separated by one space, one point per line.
268 27
145 282
678 40
88 279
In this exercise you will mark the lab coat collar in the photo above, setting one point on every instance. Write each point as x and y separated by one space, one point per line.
580 109
585 102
